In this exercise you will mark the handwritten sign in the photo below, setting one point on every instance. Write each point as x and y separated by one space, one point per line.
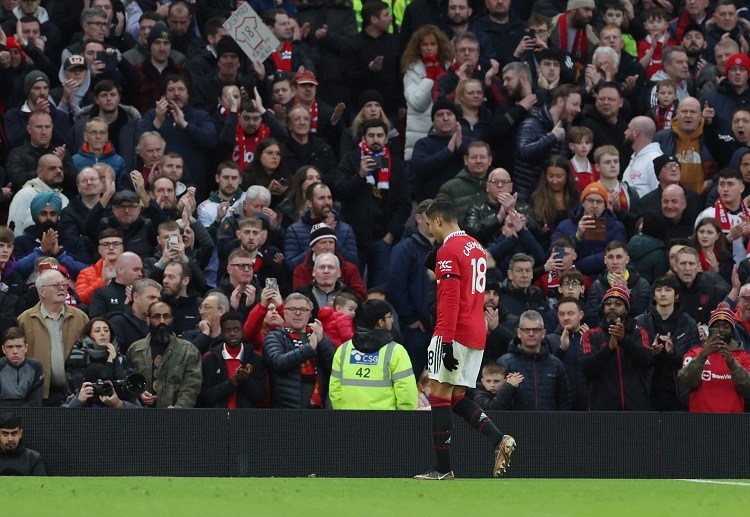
250 33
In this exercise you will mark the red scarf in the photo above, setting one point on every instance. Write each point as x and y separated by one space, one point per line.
664 116
313 116
580 49
553 280
624 207
308 369
384 174
722 214
245 145
284 60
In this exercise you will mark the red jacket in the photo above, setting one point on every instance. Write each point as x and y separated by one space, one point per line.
350 276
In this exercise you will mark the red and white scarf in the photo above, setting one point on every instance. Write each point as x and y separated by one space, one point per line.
245 145
722 214
308 369
384 174
313 116
580 49
283 60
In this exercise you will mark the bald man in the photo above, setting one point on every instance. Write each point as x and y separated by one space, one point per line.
110 299
673 205
668 172
640 173
686 141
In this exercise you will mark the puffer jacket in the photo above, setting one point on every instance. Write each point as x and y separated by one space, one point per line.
648 257
463 190
432 163
706 292
724 100
517 301
569 359
640 296
85 158
284 361
481 221
590 253
545 384
418 94
535 143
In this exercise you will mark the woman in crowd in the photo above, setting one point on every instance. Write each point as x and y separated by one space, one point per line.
268 170
97 345
554 198
713 248
477 117
291 209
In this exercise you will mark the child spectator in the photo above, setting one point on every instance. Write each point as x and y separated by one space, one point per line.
650 48
581 141
666 98
614 13
424 389
346 303
498 392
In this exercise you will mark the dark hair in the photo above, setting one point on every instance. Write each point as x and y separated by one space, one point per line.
12 333
613 245
442 208
370 312
309 191
150 15
543 202
666 281
255 168
492 368
377 290
231 315
105 86
10 421
270 17
609 84
563 92
564 242
86 331
570 299
213 25
6 235
111 232
175 78
376 122
722 246
572 274
370 9
730 173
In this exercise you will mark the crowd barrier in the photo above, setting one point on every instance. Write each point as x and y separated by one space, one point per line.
203 442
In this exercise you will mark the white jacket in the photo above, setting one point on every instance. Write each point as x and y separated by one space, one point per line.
640 172
418 95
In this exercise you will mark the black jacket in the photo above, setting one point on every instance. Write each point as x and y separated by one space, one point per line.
640 296
570 358
706 292
619 379
21 462
108 300
128 329
545 384
21 386
507 398
217 387
517 301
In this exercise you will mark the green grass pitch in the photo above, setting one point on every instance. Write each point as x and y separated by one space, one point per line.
130 496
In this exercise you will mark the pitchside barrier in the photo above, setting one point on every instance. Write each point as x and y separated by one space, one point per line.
284 443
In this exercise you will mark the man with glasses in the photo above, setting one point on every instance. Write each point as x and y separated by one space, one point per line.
545 384
299 357
616 358
468 48
241 285
111 299
171 366
51 328
97 148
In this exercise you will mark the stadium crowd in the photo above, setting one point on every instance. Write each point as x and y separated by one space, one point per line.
253 234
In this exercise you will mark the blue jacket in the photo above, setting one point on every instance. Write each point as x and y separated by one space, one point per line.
591 253
85 158
545 384
724 100
26 250
408 284
503 248
297 241
432 164
535 143
569 358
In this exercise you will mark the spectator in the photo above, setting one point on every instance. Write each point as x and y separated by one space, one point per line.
8 274
375 199
575 20
581 142
97 148
51 328
213 210
555 197
617 359
438 156
171 249
370 103
622 198
541 134
423 63
207 333
73 217
156 68
561 260
229 70
302 147
646 249
729 373
517 295
464 189
468 51
726 23
565 344
15 459
668 173
607 119
545 384
590 246
268 170
299 358
297 236
180 294
150 150
515 238
176 382
678 220
234 375
731 93
49 179
326 282
499 391
85 396
714 250
141 51
651 47
699 290
504 28
102 271
325 119
241 285
183 35
371 370
695 13
641 172
23 159
671 333
323 240
21 378
131 325
676 68
663 112
111 299
289 56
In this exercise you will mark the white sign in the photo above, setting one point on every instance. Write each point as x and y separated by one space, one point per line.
250 33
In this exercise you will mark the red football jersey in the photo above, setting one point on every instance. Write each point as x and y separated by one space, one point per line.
716 392
461 271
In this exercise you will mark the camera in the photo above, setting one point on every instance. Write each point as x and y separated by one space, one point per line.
103 388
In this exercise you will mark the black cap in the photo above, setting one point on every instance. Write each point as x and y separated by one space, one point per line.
125 195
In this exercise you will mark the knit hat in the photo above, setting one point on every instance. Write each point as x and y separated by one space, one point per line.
158 31
579 4
321 231
369 96
32 78
305 77
444 104
594 188
661 161
617 291
74 61
737 59
227 45
722 312
43 199
10 42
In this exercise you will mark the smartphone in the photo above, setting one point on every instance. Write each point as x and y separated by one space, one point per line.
283 182
380 161
173 239
558 252
703 331
109 60
598 232
272 283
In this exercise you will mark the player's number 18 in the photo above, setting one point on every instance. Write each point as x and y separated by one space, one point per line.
478 275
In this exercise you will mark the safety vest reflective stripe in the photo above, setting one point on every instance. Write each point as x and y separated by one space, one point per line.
384 382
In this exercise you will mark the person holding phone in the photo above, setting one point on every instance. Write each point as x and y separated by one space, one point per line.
592 226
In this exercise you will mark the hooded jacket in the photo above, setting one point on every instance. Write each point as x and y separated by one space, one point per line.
371 371
545 384
648 257
85 158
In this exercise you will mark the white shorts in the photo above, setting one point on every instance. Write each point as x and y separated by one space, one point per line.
467 371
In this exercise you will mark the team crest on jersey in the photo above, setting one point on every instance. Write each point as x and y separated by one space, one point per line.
445 265
357 357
